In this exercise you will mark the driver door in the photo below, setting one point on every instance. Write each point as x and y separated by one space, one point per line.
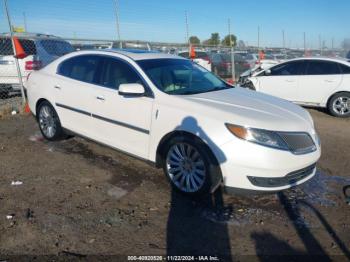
282 80
122 122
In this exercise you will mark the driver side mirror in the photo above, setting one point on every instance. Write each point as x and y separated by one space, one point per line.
267 72
131 90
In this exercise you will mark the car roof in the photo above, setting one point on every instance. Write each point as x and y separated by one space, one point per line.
136 54
320 58
30 35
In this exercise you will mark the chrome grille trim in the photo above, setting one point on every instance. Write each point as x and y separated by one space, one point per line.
298 142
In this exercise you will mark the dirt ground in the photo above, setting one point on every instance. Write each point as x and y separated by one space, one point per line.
80 200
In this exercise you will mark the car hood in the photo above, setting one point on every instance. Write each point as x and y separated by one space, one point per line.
252 109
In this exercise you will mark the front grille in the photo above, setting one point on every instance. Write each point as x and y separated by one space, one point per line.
298 143
290 179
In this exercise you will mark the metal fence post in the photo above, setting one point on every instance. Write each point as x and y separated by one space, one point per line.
233 72
19 73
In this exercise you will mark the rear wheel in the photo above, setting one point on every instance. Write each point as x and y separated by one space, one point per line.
49 122
339 105
188 166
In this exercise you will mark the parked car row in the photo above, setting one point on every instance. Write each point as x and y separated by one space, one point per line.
318 82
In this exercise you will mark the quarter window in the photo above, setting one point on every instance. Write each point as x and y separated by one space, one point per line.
345 69
322 68
82 68
116 72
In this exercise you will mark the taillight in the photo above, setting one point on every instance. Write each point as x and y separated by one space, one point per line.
257 62
32 65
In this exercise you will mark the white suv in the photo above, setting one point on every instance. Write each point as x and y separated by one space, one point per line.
41 50
170 111
320 82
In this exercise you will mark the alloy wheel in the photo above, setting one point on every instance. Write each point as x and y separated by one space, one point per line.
185 167
341 105
47 121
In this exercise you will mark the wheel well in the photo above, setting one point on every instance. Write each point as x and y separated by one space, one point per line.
38 104
329 99
168 137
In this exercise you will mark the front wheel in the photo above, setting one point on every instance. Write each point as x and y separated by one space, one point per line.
188 167
339 105
49 123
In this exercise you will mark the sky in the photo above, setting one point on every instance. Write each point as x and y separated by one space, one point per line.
164 20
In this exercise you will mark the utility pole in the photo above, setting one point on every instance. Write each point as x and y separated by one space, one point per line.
187 34
25 22
304 44
332 43
284 44
232 53
258 38
117 23
19 74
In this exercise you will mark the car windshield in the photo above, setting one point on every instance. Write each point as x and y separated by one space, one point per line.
181 77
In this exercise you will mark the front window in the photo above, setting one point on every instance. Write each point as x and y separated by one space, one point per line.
181 77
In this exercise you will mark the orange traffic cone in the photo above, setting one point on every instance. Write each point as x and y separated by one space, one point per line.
20 54
192 52
26 108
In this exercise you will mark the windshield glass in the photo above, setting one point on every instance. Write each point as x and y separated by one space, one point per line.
181 77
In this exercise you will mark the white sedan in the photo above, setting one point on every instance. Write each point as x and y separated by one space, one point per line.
319 82
170 111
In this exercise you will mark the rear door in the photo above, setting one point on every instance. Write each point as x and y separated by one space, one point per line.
320 79
283 81
74 87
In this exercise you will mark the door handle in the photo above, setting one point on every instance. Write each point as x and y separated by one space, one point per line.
290 80
101 98
57 87
329 80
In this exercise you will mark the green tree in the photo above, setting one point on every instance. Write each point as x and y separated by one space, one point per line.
213 40
194 40
227 40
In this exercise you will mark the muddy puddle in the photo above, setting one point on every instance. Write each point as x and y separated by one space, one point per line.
298 205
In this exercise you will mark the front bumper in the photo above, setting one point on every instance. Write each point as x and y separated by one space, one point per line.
253 167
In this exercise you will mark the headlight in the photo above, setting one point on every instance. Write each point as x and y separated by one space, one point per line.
258 136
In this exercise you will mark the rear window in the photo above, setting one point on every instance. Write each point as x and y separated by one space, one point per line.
83 68
6 46
56 47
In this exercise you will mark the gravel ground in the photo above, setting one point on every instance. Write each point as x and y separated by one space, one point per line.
79 199
7 105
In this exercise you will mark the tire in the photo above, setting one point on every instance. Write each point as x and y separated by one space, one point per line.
49 122
180 156
339 105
